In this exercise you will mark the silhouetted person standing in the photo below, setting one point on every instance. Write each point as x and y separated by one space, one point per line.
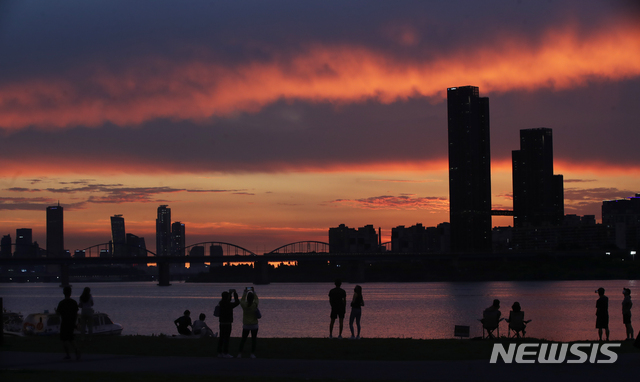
338 302
183 323
224 312
68 311
86 311
602 313
250 316
626 312
357 302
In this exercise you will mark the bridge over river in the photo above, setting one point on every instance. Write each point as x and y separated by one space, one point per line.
222 253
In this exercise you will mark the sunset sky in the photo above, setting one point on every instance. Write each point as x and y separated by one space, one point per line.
262 123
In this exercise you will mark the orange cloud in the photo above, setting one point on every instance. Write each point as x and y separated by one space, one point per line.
37 166
159 88
402 202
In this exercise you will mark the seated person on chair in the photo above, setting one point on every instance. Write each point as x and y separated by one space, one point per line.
491 318
516 320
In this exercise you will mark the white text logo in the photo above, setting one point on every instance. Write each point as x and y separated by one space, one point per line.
555 353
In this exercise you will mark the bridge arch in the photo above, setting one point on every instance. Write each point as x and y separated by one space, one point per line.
97 248
228 249
308 246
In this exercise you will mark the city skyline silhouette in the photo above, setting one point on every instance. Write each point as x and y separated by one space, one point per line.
263 136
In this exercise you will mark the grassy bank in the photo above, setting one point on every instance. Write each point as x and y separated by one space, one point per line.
382 349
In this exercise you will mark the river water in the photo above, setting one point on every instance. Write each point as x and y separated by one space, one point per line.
560 310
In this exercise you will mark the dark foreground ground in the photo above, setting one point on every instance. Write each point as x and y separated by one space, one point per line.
13 365
291 360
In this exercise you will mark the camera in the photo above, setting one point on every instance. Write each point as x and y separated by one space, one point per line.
232 291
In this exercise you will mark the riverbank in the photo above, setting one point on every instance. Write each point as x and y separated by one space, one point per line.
366 349
506 267
290 360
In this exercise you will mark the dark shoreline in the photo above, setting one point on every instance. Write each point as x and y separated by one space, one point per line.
540 268
455 269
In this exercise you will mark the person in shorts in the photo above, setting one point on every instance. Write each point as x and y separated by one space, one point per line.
602 314
68 311
338 302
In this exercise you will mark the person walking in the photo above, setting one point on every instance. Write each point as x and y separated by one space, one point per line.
602 314
68 311
338 302
357 302
626 312
224 312
86 312
250 316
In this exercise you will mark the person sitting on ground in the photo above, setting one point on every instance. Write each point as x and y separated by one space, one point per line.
516 320
201 328
491 318
183 323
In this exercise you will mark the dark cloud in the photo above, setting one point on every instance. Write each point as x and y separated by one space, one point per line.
400 202
282 137
595 194
116 193
588 201
34 204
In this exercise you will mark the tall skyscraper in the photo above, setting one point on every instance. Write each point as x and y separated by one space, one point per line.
622 216
24 243
5 246
538 195
177 239
118 236
469 170
163 231
55 231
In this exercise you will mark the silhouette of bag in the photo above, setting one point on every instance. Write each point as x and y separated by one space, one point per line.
258 314
216 311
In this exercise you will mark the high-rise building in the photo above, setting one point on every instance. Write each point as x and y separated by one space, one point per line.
136 246
343 239
163 231
177 239
469 170
538 195
24 243
5 246
55 231
622 216
118 236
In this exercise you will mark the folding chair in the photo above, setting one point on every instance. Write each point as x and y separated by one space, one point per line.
490 323
517 324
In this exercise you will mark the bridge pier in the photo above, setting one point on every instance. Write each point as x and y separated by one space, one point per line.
164 273
64 275
261 272
357 272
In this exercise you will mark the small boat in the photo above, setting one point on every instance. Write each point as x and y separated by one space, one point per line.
49 324
12 323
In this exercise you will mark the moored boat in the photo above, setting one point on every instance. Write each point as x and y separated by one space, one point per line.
49 324
12 323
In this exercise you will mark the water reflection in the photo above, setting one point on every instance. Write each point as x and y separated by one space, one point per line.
560 310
